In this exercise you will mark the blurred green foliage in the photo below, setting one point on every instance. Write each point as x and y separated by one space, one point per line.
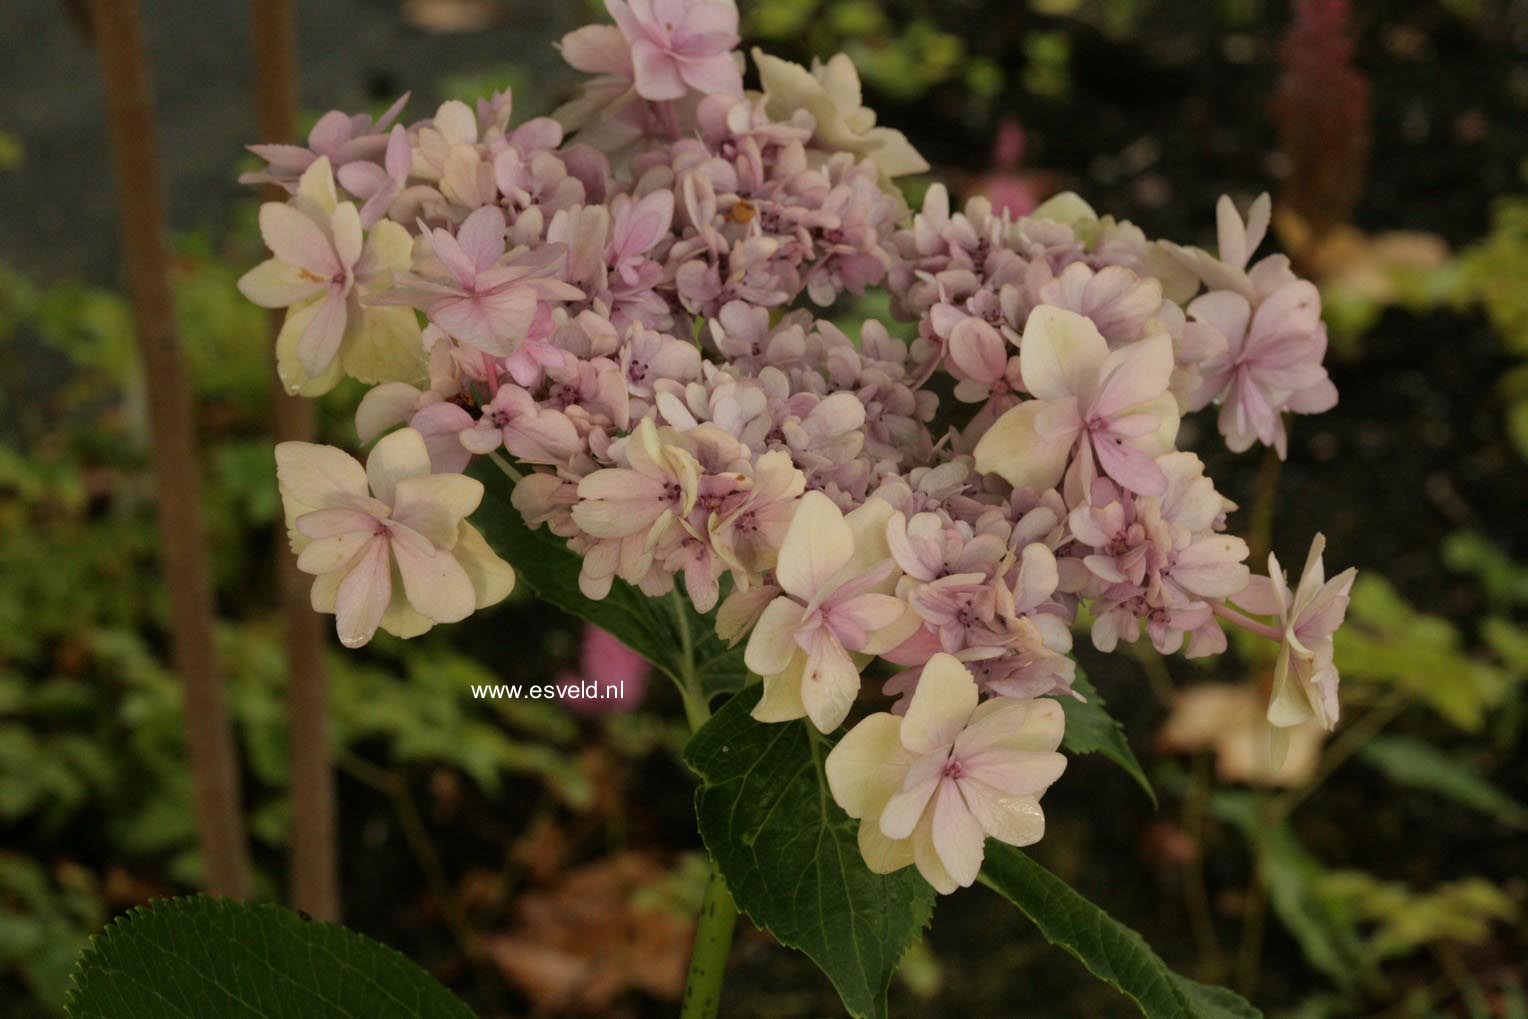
901 56
92 757
12 152
1401 920
1487 274
1386 640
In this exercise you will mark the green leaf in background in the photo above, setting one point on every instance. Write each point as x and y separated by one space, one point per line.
1091 729
1292 876
1387 640
47 913
1412 762
646 625
1111 951
791 857
1505 581
1400 920
200 956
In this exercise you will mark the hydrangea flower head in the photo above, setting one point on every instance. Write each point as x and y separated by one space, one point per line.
623 299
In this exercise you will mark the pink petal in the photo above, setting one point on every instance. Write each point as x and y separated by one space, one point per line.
905 809
363 595
1226 312
277 284
657 72
829 682
644 223
1129 466
958 838
362 179
433 581
1016 820
331 131
1060 353
326 523
1015 772
320 341
598 49
495 323
297 240
458 263
1134 374
1260 597
482 236
714 75
335 552
940 707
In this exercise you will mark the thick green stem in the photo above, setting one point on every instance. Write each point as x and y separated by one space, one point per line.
696 710
718 913
713 943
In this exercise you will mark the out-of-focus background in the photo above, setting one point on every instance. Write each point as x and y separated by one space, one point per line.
543 861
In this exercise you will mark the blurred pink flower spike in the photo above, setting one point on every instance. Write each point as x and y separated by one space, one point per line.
613 673
1005 186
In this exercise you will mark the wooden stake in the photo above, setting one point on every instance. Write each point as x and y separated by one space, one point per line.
313 867
182 551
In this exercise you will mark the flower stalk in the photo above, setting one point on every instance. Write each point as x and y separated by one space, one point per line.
718 912
713 943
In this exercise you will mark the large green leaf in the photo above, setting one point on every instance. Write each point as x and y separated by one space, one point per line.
1091 729
790 855
1420 765
649 626
1111 951
211 957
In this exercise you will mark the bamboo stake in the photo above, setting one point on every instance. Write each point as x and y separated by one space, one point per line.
182 551
313 866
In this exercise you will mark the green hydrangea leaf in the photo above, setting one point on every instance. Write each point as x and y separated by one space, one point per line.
201 956
790 855
1090 729
1111 951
